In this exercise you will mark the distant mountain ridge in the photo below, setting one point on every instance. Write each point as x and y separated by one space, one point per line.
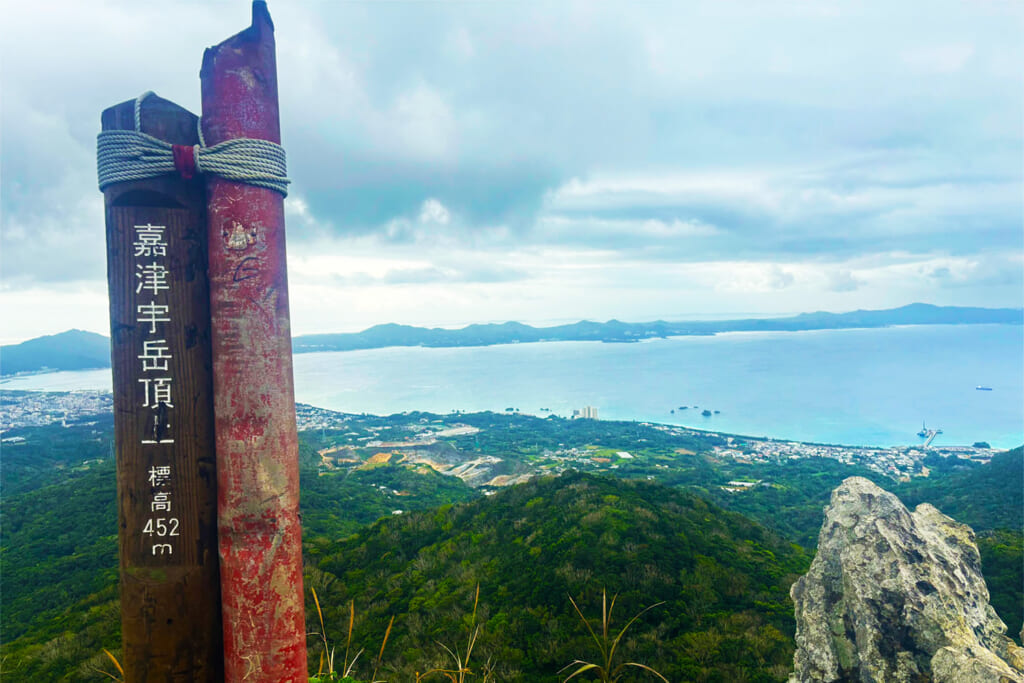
391 334
71 350
78 350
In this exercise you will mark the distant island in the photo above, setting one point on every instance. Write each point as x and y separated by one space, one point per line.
78 350
71 350
615 331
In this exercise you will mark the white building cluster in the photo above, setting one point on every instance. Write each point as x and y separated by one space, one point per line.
585 413
38 409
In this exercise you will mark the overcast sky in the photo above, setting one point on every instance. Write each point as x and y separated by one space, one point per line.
458 162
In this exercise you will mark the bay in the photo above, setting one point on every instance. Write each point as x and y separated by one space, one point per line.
855 386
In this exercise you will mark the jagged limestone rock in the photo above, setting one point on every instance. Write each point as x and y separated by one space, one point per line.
897 596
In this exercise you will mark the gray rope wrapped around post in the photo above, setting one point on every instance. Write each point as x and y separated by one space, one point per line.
125 155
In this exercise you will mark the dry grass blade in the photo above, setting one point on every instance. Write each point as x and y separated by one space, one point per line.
586 667
350 665
461 669
328 650
605 669
475 633
351 621
351 625
387 633
454 655
646 668
585 622
109 675
639 614
112 658
316 601
472 641
606 613
380 655
447 673
487 672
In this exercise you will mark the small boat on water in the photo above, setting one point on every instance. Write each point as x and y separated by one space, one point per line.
924 431
981 388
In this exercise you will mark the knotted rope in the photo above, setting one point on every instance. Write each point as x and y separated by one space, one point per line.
123 155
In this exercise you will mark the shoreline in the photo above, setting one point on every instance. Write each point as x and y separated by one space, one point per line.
868 388
454 415
6 378
395 336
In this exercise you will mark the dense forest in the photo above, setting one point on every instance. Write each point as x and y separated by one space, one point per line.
722 581
663 529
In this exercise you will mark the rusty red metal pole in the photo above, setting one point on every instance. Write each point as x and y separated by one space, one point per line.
254 395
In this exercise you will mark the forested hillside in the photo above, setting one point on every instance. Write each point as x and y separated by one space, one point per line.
723 579
990 497
651 527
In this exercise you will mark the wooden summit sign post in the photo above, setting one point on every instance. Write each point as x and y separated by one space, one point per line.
163 411
207 446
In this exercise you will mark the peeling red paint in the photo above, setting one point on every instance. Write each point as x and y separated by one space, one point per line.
254 397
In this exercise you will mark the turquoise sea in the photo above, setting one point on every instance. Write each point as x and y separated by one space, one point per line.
854 387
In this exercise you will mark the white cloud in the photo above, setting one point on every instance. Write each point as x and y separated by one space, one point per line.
598 234
36 311
619 191
843 280
434 212
324 260
751 277
690 156
301 222
420 123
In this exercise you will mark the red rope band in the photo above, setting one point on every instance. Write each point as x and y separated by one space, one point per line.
184 160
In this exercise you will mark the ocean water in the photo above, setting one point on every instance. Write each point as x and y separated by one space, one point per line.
855 387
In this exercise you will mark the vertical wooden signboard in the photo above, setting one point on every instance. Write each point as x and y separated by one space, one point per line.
163 413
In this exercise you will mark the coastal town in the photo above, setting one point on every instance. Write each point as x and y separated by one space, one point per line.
39 409
901 462
443 442
897 462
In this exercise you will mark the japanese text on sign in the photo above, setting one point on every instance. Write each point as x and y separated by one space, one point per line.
156 383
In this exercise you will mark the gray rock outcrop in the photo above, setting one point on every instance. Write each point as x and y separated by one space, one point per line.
894 595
